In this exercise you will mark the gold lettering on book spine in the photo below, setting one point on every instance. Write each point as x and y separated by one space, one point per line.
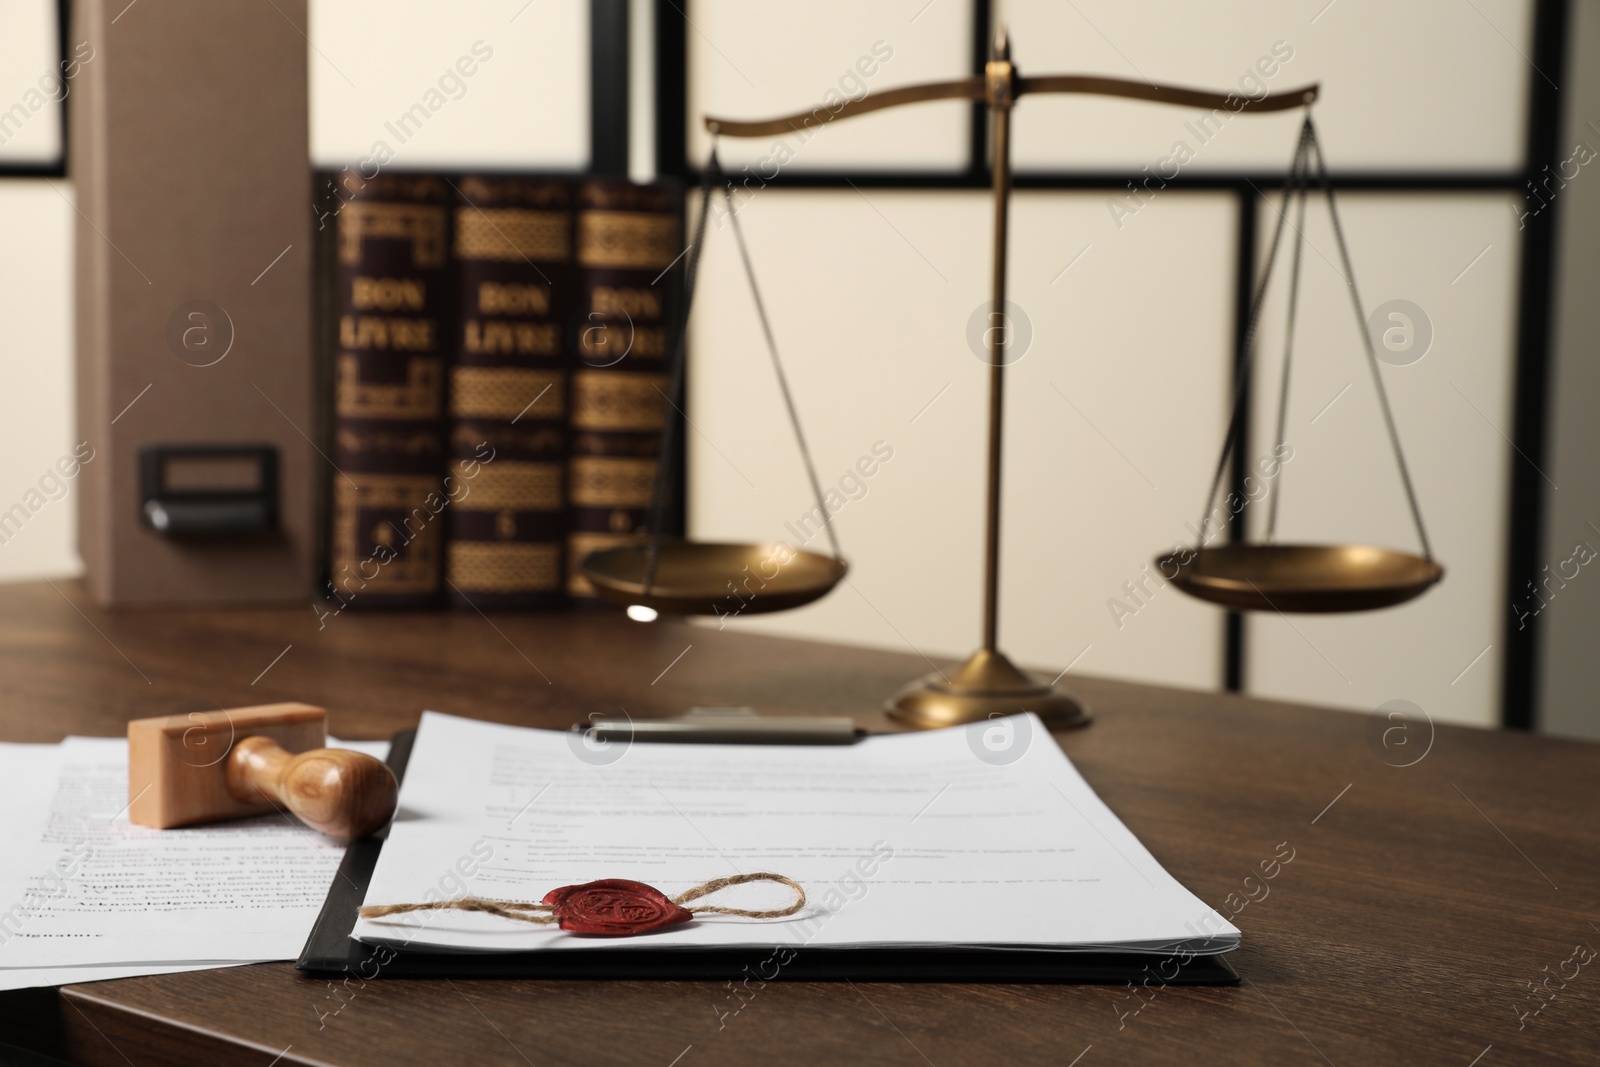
415 398
498 337
384 333
513 235
627 239
608 400
506 393
421 224
510 484
489 567
357 561
610 482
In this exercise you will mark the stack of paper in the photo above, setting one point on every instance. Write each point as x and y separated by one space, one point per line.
982 837
85 895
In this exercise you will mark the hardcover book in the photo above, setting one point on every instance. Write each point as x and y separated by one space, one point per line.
628 239
508 392
392 300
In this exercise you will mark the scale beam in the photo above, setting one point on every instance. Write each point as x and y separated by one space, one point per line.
976 89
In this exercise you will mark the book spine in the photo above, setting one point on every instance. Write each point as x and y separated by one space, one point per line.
629 238
508 393
391 304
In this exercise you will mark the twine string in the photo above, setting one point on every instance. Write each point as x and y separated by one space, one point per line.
705 889
524 911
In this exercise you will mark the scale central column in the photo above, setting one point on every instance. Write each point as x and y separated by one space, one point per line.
988 684
999 75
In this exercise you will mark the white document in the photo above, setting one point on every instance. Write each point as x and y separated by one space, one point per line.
28 776
84 888
985 837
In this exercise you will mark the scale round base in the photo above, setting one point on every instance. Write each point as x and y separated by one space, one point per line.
985 686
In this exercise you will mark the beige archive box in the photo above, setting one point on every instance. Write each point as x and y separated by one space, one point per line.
195 373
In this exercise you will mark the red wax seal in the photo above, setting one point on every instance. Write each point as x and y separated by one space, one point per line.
614 907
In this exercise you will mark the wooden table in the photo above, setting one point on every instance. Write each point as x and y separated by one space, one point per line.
1420 903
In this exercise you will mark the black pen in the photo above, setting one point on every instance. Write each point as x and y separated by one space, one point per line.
728 726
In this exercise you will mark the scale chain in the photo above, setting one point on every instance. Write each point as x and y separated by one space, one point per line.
1246 357
1296 190
691 270
777 367
1372 356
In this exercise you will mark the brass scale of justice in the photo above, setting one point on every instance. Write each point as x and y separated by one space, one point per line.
689 578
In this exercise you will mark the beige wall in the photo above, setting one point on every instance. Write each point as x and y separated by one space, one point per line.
30 86
527 105
36 403
35 309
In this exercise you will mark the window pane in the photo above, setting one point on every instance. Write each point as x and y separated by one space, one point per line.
872 299
475 83
756 61
1407 84
36 423
1455 259
31 83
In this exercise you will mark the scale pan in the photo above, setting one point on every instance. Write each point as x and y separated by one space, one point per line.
714 579
1302 578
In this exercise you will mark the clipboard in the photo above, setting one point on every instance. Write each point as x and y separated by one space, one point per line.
331 951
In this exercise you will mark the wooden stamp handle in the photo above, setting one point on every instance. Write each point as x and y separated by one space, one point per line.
338 791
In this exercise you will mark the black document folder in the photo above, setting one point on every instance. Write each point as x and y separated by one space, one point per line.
331 951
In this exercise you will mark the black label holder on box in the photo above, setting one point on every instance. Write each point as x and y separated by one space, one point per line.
200 490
